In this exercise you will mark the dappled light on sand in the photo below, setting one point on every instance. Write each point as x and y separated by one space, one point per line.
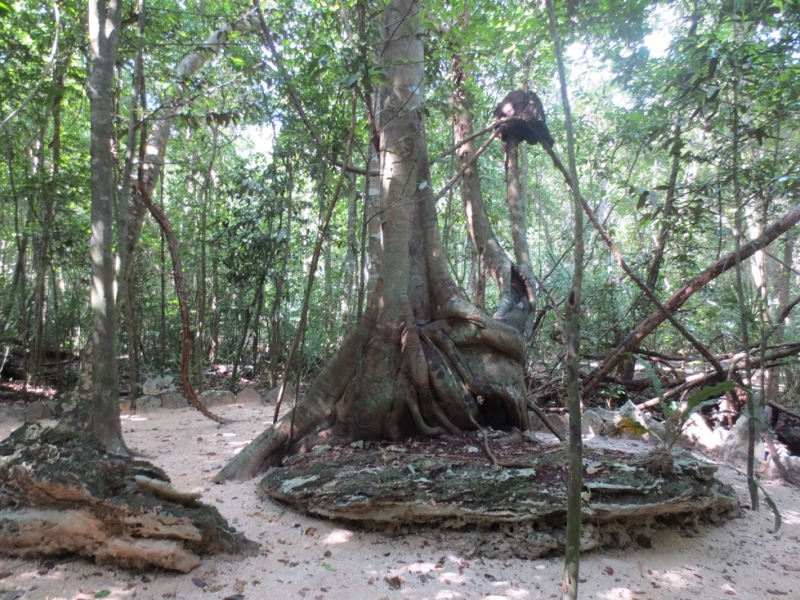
303 554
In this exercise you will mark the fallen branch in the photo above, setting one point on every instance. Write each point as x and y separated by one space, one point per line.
783 409
665 313
679 298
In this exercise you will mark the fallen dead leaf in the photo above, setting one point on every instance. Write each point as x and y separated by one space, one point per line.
394 581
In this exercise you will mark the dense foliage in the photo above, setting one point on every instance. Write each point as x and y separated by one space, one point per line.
686 117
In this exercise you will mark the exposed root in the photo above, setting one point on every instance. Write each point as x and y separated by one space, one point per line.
496 461
165 490
447 377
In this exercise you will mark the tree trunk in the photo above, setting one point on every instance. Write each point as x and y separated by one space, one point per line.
350 258
572 340
275 320
127 292
423 359
492 257
258 294
97 412
200 317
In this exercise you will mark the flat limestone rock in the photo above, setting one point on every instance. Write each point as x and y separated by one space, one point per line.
501 511
60 495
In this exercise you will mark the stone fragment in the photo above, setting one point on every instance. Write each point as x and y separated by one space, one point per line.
560 422
629 411
158 385
697 431
211 398
591 423
734 448
174 400
607 415
289 395
249 395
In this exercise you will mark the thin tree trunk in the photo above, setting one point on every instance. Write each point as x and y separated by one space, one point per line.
323 231
35 360
257 330
783 285
666 215
183 307
492 256
572 318
275 320
213 349
200 317
679 298
21 239
350 257
152 163
258 293
126 290
162 334
744 313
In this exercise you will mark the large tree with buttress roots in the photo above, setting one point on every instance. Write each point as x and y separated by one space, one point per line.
423 359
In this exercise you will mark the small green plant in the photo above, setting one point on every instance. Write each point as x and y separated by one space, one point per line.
677 416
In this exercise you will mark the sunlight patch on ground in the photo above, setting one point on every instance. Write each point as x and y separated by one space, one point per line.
133 418
338 536
32 577
789 517
670 582
239 444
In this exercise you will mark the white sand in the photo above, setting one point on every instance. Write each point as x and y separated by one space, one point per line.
309 558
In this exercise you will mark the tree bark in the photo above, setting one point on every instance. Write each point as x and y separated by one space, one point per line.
422 359
97 412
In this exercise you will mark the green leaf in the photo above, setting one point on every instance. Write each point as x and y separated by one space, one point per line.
326 566
102 594
700 399
631 426
653 379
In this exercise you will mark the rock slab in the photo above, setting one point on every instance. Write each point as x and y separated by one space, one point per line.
213 398
508 512
60 495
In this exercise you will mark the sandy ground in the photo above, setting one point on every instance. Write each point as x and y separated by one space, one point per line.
309 558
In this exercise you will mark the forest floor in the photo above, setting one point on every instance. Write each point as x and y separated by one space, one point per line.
304 557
